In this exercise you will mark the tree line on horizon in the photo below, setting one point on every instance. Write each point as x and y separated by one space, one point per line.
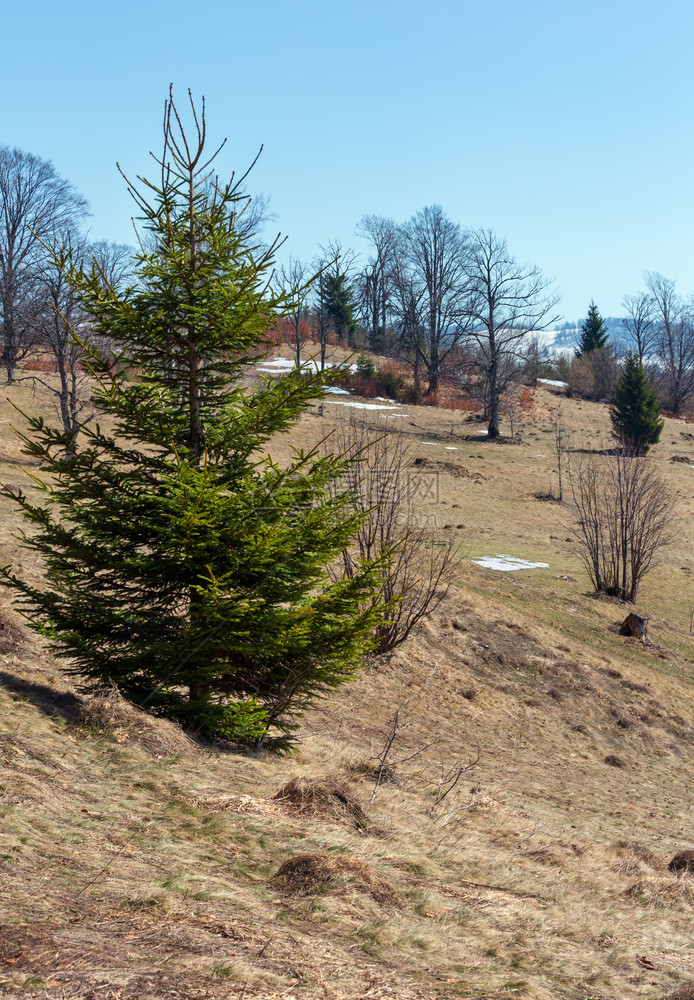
453 304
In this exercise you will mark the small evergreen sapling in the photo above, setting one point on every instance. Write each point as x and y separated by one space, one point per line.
181 563
635 415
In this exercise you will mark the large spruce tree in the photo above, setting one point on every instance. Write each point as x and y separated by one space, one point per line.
182 563
594 335
635 415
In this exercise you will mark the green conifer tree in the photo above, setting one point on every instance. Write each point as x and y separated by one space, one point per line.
339 305
183 564
594 334
635 415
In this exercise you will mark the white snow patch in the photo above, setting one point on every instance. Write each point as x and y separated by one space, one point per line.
279 363
335 390
507 563
277 366
361 406
552 381
450 447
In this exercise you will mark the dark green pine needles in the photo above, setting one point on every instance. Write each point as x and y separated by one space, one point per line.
635 415
181 564
594 335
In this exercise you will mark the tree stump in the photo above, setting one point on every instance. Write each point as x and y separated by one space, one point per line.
636 625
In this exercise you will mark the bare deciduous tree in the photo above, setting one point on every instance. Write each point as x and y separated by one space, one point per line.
624 517
408 308
559 449
674 341
386 486
34 202
507 301
295 280
434 259
62 326
639 322
377 281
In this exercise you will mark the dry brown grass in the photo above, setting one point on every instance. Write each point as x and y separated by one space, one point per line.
138 869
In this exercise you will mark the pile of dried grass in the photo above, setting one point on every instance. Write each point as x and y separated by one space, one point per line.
247 804
632 857
662 892
322 798
683 992
307 872
109 714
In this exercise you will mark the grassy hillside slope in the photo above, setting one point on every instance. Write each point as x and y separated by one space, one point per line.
137 864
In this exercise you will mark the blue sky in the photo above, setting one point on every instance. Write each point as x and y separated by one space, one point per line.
566 127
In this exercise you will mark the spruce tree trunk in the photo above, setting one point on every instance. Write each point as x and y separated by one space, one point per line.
195 426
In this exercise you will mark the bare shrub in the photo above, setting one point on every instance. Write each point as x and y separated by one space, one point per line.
385 756
386 489
624 517
594 375
388 760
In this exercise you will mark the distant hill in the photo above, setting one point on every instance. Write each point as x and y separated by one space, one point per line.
567 335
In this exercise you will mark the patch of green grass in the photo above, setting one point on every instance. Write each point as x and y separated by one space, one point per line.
152 902
175 881
222 971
